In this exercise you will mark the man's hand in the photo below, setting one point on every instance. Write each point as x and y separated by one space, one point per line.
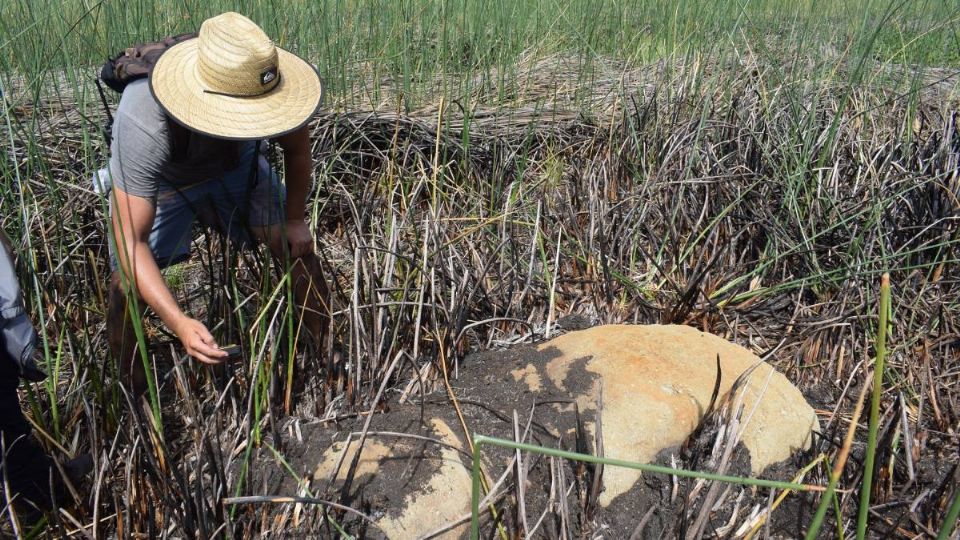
299 238
199 342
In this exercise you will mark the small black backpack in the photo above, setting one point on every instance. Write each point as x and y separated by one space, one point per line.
131 64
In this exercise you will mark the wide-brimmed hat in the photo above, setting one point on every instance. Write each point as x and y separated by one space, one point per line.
232 82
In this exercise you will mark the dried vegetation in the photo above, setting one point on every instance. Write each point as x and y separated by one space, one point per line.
720 195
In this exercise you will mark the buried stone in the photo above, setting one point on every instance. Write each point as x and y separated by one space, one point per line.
653 385
657 384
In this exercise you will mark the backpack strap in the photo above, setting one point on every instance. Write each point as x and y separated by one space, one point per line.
108 125
252 180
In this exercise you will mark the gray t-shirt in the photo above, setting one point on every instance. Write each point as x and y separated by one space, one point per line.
144 155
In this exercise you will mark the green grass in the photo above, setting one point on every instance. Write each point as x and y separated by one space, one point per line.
469 46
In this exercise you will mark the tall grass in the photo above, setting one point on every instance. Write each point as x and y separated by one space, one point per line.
868 466
747 167
468 50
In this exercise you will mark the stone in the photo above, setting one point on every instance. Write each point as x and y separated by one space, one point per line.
657 384
438 490
654 384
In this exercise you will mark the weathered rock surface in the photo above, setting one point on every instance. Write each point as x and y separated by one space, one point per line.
655 381
440 493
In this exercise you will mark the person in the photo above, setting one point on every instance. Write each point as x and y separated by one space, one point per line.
187 145
29 474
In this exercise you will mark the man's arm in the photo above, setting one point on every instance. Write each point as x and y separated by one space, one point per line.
132 221
298 165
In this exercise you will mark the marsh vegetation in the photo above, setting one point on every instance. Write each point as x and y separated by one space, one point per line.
486 168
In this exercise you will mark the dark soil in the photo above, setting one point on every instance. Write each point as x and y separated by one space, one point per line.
489 397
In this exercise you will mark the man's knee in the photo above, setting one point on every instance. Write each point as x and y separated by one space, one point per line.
308 268
117 289
120 332
272 237
117 301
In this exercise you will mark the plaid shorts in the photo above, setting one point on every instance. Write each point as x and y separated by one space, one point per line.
231 205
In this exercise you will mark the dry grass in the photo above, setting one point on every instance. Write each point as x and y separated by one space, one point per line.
727 197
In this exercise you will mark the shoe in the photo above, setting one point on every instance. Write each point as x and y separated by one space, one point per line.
78 467
74 470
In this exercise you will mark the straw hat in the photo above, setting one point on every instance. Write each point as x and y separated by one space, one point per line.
232 82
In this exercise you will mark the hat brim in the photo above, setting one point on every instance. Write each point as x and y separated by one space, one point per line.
287 107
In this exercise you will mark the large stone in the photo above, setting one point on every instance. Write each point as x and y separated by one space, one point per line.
656 381
657 384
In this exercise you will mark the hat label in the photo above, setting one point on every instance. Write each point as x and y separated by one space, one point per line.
268 76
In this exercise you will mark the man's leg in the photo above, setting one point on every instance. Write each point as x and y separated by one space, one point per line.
26 467
122 339
260 201
310 288
313 296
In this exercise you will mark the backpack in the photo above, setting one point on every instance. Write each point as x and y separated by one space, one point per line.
131 64
136 62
